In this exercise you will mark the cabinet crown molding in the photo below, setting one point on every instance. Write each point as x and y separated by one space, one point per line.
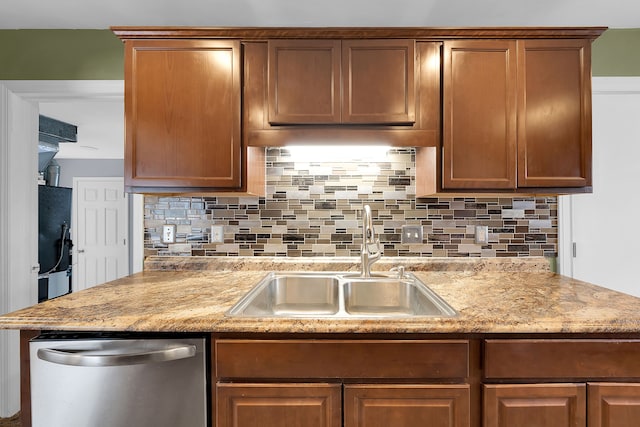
263 33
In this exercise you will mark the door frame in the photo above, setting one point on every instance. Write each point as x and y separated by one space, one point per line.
16 291
87 90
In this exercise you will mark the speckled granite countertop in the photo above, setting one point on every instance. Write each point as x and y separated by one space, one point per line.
193 296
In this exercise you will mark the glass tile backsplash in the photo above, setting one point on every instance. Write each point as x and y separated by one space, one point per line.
313 208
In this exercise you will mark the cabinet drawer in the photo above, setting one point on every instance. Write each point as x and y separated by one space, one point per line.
573 359
319 359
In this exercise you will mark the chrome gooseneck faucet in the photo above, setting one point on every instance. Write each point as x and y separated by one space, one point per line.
370 248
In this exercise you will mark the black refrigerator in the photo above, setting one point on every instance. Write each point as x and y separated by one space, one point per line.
54 242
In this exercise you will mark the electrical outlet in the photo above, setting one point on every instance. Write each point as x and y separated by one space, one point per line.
169 233
482 234
217 234
411 234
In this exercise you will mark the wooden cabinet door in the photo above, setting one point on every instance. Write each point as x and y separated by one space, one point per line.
378 81
539 405
349 81
276 405
479 114
304 81
182 108
554 113
614 404
406 405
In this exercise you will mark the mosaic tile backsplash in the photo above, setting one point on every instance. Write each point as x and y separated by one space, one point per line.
313 208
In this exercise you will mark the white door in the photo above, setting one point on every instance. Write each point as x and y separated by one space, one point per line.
603 225
99 231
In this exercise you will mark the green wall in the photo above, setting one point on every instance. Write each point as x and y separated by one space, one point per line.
616 53
60 55
98 54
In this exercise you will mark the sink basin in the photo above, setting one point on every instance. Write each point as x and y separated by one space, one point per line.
291 295
392 297
340 295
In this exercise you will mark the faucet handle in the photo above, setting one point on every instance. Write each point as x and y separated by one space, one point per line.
400 270
374 248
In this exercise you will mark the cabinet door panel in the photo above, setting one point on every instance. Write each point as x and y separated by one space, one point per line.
554 119
182 106
304 81
479 114
525 405
614 404
406 405
276 405
379 81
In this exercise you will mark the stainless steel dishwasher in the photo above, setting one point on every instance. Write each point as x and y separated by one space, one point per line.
77 381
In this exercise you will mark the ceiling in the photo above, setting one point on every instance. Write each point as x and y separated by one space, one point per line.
431 13
101 124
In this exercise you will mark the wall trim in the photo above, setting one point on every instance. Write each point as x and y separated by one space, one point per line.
615 85
19 239
5 387
66 90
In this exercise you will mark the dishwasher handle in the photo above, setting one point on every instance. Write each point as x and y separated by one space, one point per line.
94 358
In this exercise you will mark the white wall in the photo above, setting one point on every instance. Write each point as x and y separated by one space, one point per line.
604 224
71 168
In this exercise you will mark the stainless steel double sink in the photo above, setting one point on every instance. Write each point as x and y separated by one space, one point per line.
321 294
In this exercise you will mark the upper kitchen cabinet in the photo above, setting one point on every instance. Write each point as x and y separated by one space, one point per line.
348 81
183 110
504 110
342 92
517 115
304 81
479 123
554 113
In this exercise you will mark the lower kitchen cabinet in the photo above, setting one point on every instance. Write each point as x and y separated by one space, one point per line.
562 382
342 382
273 405
321 405
562 405
406 405
613 404
539 405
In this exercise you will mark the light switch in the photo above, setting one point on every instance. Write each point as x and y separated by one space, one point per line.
169 233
